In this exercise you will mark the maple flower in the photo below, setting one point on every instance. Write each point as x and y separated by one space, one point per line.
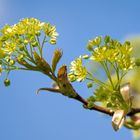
78 71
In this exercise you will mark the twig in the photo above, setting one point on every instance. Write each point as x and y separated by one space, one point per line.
95 107
133 111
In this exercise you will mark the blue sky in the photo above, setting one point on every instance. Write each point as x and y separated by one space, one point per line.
27 116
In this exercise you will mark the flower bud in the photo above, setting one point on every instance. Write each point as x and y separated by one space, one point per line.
20 57
89 85
11 62
7 82
137 62
90 105
107 39
90 45
26 41
85 56
71 77
7 59
38 33
53 41
21 47
34 44
127 43
97 41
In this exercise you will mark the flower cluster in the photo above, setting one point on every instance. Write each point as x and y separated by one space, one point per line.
115 60
78 71
111 50
19 41
28 29
23 33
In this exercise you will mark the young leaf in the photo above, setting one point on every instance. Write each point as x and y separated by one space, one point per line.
56 57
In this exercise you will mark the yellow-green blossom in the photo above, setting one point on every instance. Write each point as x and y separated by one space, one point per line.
78 71
94 42
9 47
19 41
99 54
111 54
126 49
113 51
7 31
126 63
30 26
51 32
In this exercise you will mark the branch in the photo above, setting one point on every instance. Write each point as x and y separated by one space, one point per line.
95 107
134 111
105 110
82 100
65 88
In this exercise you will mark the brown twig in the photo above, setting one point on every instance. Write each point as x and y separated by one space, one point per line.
95 107
65 88
105 110
134 111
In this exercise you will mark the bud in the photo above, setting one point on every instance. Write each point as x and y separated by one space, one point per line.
7 59
90 45
7 82
90 105
109 105
107 39
53 41
98 41
85 56
20 57
91 99
11 62
34 44
56 57
26 41
137 62
89 85
21 47
71 77
38 33
127 43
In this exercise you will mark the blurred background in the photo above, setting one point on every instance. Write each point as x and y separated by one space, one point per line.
47 116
